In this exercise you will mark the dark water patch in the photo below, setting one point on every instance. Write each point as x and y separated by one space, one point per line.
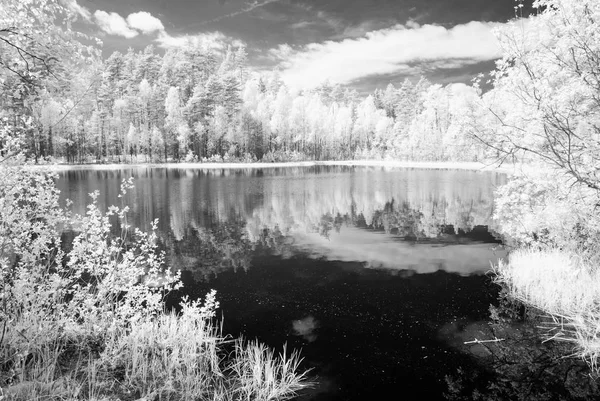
364 331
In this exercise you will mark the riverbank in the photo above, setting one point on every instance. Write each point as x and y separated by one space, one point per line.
551 220
476 166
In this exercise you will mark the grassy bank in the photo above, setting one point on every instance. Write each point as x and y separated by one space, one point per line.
563 285
551 223
166 356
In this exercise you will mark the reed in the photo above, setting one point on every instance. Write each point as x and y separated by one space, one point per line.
167 356
563 285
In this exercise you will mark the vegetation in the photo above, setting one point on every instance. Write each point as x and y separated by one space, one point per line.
545 106
85 318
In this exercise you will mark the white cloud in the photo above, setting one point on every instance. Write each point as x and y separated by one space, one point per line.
211 40
144 22
281 52
386 51
252 6
114 24
78 9
302 24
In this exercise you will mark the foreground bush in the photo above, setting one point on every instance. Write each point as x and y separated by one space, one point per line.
168 356
182 356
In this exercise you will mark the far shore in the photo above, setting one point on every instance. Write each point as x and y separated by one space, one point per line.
474 166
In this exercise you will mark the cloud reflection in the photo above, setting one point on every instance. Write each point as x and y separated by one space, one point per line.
305 328
384 251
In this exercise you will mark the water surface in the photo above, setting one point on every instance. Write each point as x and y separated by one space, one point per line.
373 272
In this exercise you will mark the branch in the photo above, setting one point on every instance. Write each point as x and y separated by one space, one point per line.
22 51
23 77
75 104
476 341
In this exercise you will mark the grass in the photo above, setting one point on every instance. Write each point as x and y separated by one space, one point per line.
166 357
566 287
264 376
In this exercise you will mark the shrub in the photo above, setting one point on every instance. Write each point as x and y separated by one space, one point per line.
89 322
280 156
190 157
541 208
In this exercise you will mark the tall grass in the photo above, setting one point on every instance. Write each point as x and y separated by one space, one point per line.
563 285
168 356
261 375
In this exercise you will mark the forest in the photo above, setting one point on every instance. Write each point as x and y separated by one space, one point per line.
195 104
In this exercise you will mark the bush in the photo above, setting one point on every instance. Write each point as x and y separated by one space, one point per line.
540 208
280 156
212 159
89 322
190 157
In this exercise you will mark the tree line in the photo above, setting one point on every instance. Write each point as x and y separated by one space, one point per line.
195 104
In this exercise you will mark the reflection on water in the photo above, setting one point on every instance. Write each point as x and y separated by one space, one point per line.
214 220
305 328
366 269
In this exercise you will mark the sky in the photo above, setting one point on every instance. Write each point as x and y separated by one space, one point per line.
362 44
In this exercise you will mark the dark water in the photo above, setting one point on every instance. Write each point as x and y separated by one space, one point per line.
373 272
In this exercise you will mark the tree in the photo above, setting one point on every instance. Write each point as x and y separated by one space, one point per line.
241 59
429 127
36 40
545 103
38 49
280 119
173 121
389 100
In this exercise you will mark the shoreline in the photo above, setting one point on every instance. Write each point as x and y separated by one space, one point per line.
474 166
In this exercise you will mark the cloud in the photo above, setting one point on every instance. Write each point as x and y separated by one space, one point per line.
302 24
282 52
360 30
252 6
216 41
319 18
144 22
114 24
141 21
354 244
78 9
386 51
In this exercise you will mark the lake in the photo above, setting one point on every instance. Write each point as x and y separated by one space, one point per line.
373 272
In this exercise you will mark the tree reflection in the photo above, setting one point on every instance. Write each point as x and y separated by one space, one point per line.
215 220
206 252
